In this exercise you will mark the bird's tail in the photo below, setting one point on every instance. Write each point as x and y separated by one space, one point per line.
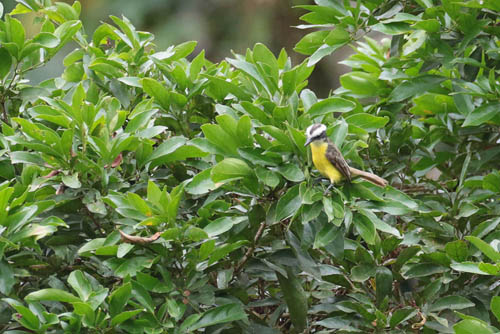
370 177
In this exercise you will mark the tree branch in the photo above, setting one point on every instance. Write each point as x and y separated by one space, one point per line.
250 250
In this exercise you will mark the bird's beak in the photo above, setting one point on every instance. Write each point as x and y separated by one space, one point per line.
308 141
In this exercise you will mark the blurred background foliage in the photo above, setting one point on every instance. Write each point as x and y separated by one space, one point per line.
219 27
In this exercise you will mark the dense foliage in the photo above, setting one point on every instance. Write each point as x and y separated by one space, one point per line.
145 192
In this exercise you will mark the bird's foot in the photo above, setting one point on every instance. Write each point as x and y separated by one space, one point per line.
327 190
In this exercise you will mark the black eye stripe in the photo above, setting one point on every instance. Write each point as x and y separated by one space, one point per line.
314 127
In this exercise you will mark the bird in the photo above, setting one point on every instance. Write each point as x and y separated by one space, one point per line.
330 162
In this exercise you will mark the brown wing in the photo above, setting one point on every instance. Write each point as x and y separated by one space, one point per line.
335 157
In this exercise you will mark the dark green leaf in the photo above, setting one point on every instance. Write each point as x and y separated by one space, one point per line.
5 62
219 315
451 303
288 204
295 299
415 86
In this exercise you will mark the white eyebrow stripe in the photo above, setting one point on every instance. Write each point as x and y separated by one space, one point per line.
315 130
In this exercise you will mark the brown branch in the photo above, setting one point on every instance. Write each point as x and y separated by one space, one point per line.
420 324
132 239
418 188
91 216
250 250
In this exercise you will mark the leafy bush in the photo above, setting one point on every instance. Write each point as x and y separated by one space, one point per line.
143 192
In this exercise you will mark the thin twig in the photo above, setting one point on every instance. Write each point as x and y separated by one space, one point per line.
91 216
250 250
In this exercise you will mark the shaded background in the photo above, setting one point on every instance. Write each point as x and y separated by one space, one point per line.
219 27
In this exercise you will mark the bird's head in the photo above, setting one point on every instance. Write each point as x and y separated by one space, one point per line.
315 132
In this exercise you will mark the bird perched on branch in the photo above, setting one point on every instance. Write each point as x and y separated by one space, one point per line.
330 162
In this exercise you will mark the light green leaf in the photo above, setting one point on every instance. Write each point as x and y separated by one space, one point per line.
52 294
367 122
485 248
230 169
482 114
72 181
331 105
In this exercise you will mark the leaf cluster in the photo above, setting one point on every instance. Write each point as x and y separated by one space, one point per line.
147 191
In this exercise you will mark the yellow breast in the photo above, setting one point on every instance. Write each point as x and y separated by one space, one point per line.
325 167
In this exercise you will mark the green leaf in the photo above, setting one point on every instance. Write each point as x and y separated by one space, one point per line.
393 28
457 250
220 252
402 315
485 248
19 157
486 227
216 135
142 296
424 269
295 298
121 317
311 42
331 105
268 177
26 318
72 181
451 303
492 182
15 31
158 91
131 37
131 266
495 306
80 284
326 235
175 309
86 311
362 272
361 83
431 25
222 225
5 62
380 224
201 183
415 86
261 54
66 31
174 149
482 114
288 204
471 326
230 169
468 267
336 38
291 172
118 299
7 279
367 122
365 228
53 295
196 234
219 315
383 282
47 40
